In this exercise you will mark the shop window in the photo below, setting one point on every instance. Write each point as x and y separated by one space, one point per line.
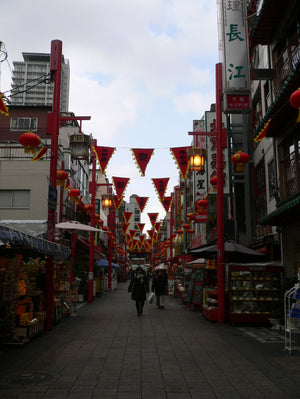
23 124
14 199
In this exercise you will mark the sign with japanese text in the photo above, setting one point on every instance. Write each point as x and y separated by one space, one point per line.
177 207
235 49
210 118
200 179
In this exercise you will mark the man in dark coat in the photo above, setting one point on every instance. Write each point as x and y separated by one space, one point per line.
138 287
159 285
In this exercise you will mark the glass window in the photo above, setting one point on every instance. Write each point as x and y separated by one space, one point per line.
23 124
17 199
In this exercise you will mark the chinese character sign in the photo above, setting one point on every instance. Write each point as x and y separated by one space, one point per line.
212 152
235 47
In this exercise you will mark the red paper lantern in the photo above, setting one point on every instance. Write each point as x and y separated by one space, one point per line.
186 226
80 206
240 159
213 182
201 206
105 228
191 231
190 216
30 141
61 176
173 235
179 231
295 99
73 193
88 208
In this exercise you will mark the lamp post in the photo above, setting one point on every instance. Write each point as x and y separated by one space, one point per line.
221 140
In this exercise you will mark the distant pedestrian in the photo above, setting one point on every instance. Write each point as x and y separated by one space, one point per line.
139 286
159 286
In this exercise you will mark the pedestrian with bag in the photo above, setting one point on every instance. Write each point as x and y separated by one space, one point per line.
139 286
159 286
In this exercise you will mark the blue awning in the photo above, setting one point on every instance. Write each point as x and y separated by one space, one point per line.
37 244
104 263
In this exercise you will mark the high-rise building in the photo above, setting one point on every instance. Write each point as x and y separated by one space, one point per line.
31 84
132 206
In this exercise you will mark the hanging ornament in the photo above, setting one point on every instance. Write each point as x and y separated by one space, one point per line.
141 201
30 141
161 186
240 159
3 107
295 102
120 184
213 182
61 176
153 217
73 193
166 202
40 154
88 208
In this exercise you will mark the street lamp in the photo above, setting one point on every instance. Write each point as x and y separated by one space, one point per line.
197 158
107 202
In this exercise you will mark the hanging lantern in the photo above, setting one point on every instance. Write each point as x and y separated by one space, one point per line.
213 182
80 146
107 200
186 226
88 208
201 206
197 158
179 231
105 228
80 207
190 216
61 176
173 235
240 159
30 141
191 231
73 193
295 102
97 217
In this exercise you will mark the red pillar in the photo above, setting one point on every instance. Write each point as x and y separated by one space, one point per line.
92 234
220 199
109 260
55 67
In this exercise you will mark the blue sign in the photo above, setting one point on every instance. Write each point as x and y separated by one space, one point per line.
52 195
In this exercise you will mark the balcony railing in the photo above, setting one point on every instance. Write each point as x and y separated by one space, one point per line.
289 169
285 64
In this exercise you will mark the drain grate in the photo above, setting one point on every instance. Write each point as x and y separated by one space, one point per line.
30 378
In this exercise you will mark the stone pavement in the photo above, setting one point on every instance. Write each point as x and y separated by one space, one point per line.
107 352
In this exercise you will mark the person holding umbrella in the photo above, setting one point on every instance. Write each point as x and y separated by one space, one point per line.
138 287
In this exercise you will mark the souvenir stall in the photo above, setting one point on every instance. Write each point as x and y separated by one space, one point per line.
22 285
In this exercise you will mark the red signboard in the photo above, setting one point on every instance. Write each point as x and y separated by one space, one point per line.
237 103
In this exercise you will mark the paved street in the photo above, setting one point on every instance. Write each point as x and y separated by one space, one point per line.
107 352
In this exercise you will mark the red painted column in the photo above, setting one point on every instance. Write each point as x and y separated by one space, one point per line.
55 67
92 234
220 199
109 259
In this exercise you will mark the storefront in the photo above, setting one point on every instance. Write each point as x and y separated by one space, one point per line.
22 284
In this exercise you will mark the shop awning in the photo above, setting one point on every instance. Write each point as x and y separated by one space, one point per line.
104 263
45 247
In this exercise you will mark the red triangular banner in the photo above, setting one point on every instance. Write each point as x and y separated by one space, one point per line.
142 238
3 107
161 186
125 228
40 154
157 226
127 216
150 233
103 155
132 233
166 202
141 201
181 157
120 184
140 226
153 217
67 184
117 202
142 157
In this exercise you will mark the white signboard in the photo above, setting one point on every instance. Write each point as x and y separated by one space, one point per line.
235 46
200 180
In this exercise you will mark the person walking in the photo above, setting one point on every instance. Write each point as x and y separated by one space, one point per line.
139 286
159 285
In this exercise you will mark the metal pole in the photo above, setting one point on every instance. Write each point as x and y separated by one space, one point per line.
220 199
55 67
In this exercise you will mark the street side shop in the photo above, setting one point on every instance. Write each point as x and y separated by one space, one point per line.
22 285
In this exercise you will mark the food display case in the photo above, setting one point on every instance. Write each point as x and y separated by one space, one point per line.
254 292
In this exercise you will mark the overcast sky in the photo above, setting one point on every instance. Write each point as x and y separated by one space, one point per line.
142 69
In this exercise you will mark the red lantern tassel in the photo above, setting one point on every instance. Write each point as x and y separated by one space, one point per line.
40 154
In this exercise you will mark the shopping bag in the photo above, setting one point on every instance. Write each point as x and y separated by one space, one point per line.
151 297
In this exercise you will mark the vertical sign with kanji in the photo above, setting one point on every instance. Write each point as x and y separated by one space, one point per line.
210 118
200 179
235 49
